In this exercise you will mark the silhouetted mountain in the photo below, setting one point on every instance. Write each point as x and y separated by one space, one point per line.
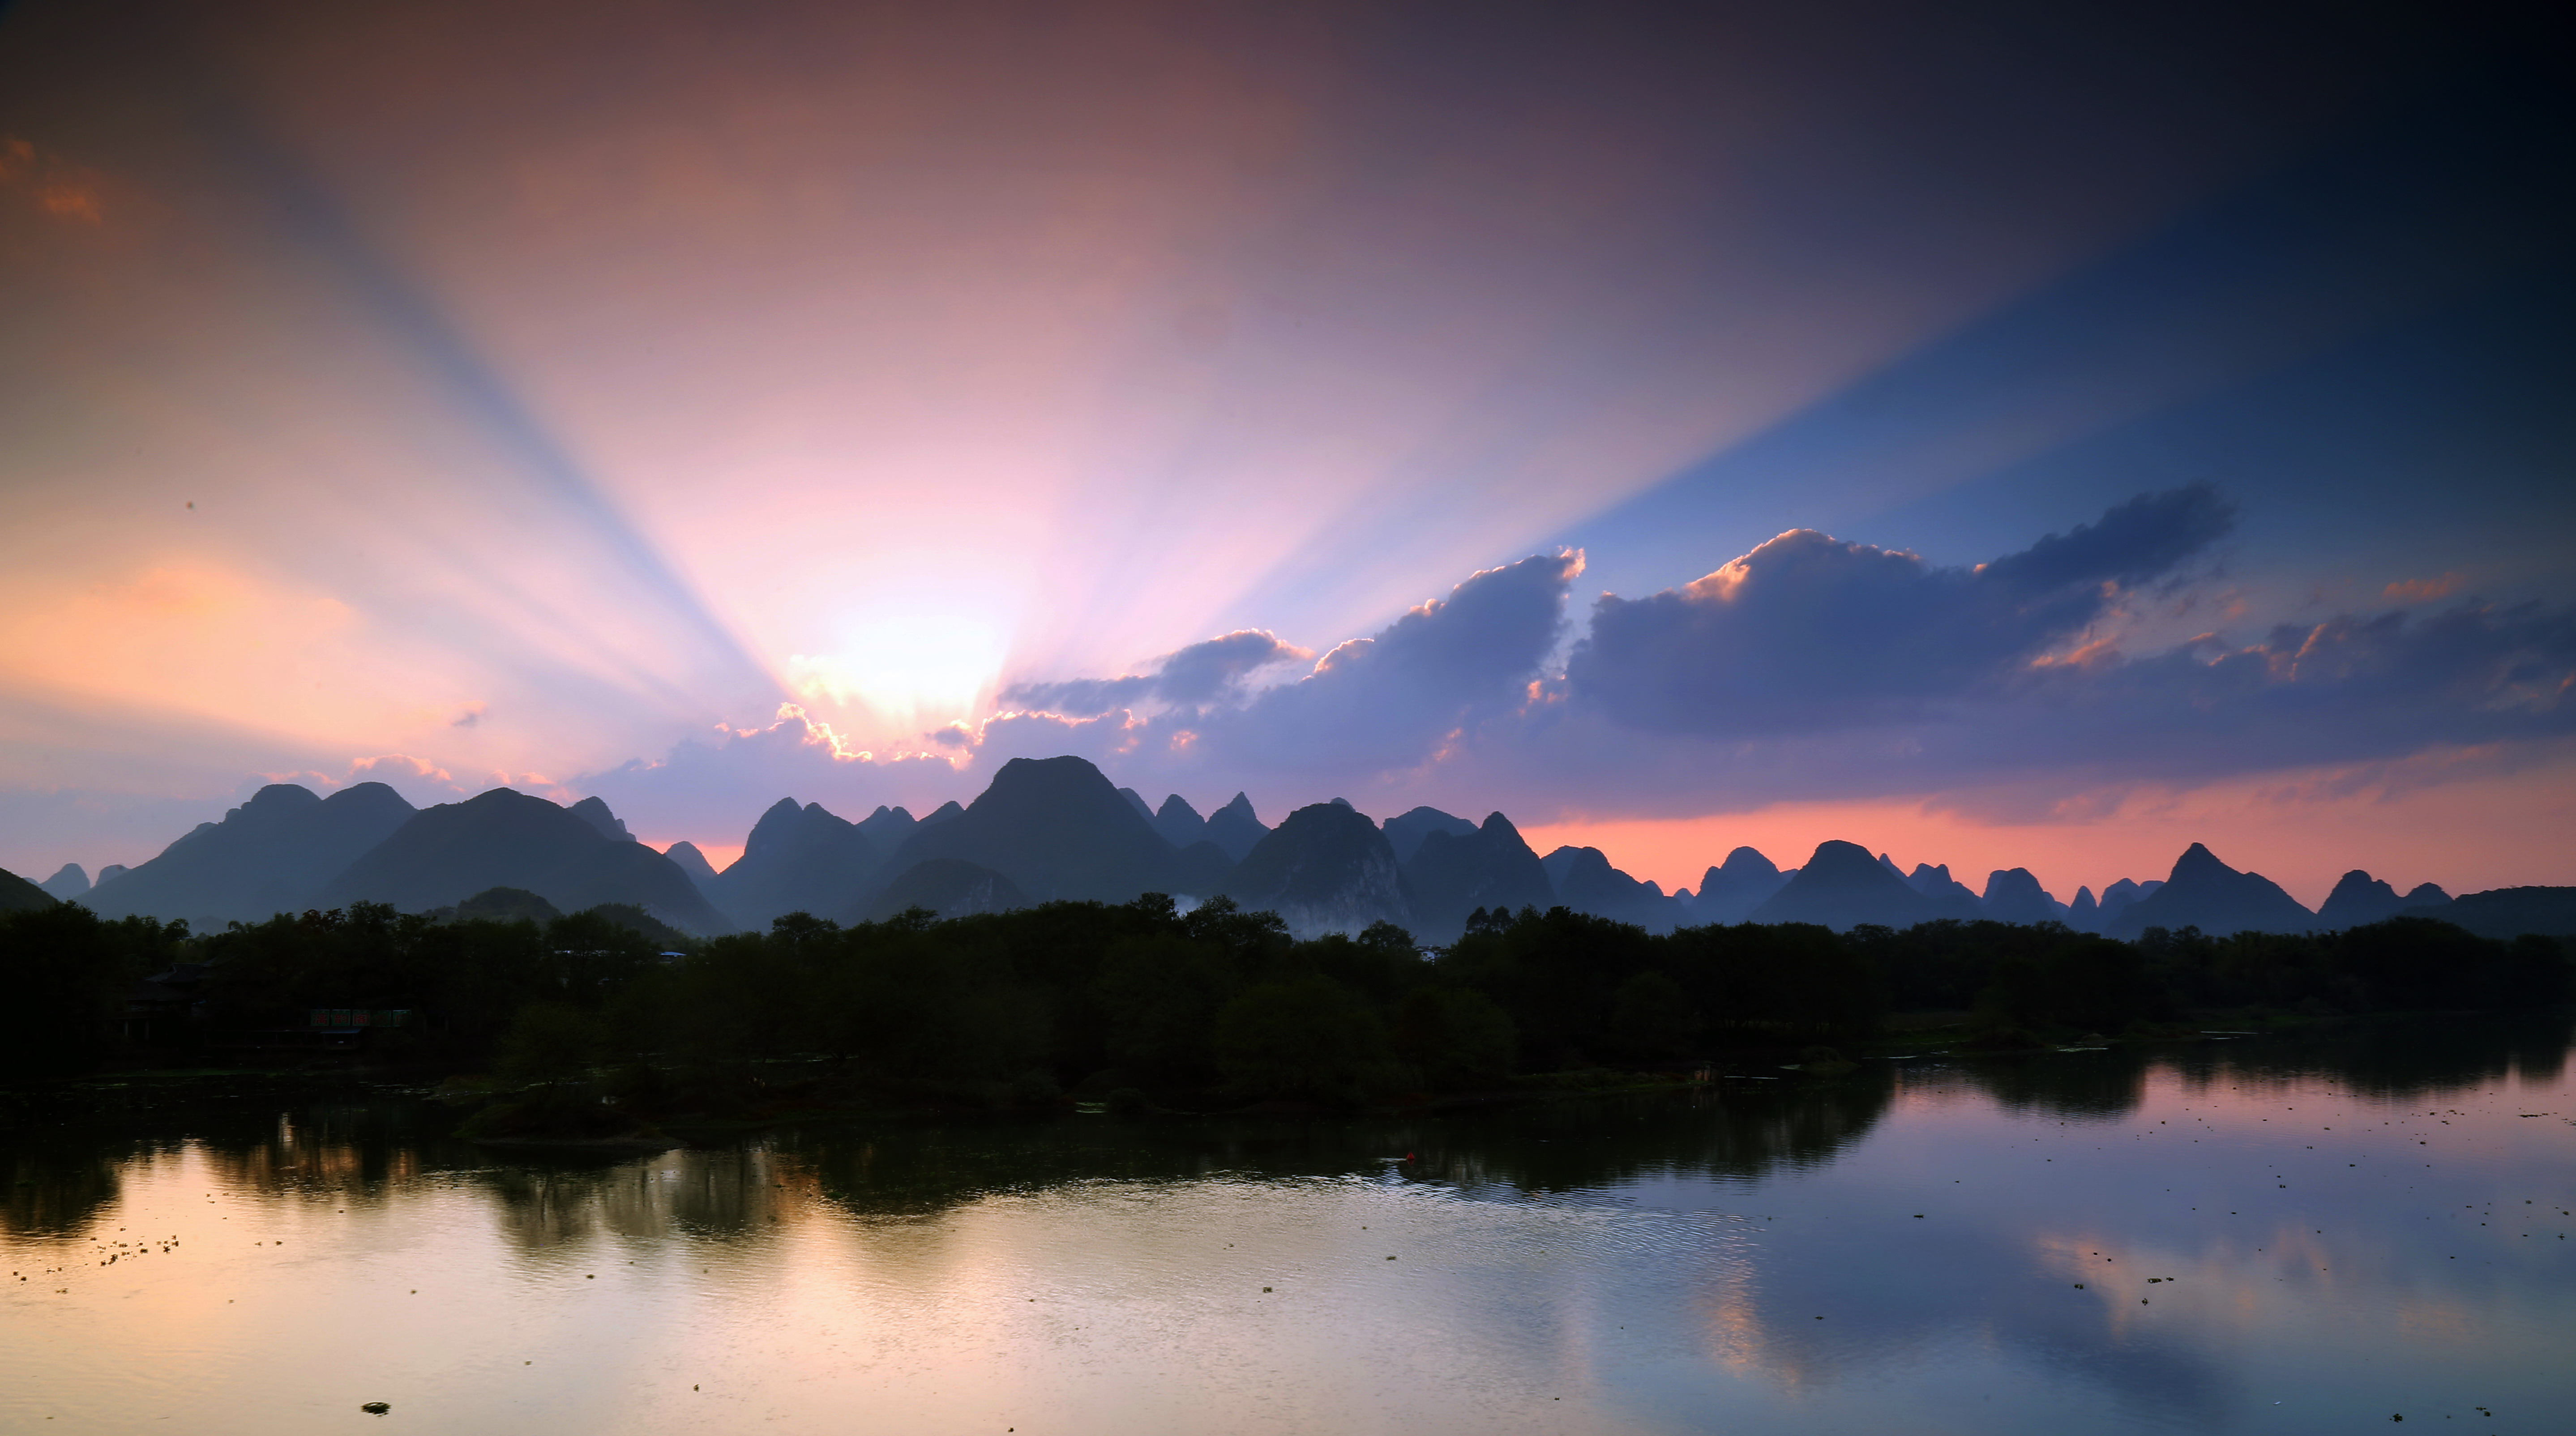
2014 895
1893 870
112 870
1235 829
1842 887
2358 900
797 860
1559 862
636 920
272 854
2116 900
1143 809
2084 914
1203 869
19 895
1327 868
1058 830
1589 884
1405 831
1953 897
1729 892
947 812
695 864
1180 824
67 883
950 887
886 828
2508 912
1452 874
509 839
595 812
2205 893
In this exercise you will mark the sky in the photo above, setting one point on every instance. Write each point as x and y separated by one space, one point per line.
1996 435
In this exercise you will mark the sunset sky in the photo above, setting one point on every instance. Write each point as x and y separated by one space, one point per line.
2000 435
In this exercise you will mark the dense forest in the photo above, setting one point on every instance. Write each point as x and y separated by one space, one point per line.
1212 1006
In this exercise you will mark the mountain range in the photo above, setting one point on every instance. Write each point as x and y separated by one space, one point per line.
1057 828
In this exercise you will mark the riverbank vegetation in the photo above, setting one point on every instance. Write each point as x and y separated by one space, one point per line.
1145 1004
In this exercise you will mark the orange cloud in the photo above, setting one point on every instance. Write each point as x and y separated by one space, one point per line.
2423 590
62 190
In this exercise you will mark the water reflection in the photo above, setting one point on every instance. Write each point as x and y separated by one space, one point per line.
2178 1236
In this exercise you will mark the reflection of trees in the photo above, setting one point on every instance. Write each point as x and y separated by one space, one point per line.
705 1194
352 1149
2396 1058
1549 1147
2072 1084
2400 1057
55 1187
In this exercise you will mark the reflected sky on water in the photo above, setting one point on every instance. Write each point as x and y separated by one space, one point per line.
2277 1234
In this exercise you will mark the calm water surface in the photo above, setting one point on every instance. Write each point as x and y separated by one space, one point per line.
2273 1235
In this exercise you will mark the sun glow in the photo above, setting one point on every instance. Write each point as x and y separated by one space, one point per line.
911 668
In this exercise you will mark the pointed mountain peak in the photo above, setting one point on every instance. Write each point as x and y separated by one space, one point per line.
2197 859
1176 806
1240 804
595 812
1137 801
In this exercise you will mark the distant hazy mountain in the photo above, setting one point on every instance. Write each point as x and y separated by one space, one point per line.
1179 823
272 854
1057 829
1586 882
1405 831
595 812
67 883
2014 895
1451 874
2205 893
1729 892
19 895
798 860
887 827
1842 887
112 870
695 864
2359 899
1326 868
950 887
510 839
1234 829
505 905
1137 801
947 812
2508 912
1950 896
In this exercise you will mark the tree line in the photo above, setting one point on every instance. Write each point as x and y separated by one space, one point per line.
1213 1004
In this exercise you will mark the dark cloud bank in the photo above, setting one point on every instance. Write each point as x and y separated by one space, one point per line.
1809 668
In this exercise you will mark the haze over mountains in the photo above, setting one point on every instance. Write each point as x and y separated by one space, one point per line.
1057 828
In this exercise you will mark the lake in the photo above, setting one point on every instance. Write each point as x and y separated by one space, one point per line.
2273 1234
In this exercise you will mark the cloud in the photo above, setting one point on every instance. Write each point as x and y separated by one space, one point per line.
1391 699
1202 673
2422 590
1809 633
1810 669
